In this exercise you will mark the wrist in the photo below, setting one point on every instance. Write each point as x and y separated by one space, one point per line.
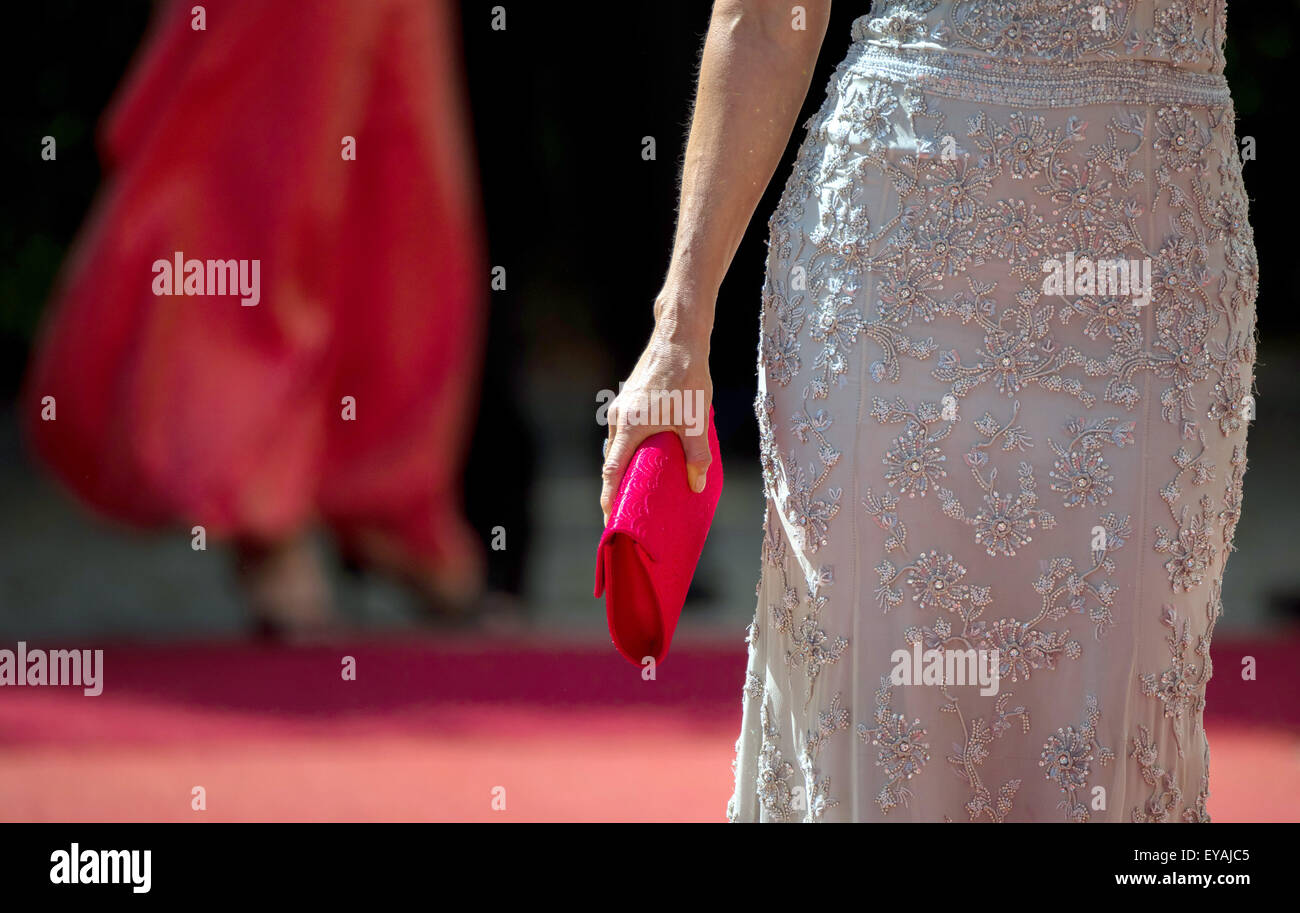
685 326
685 318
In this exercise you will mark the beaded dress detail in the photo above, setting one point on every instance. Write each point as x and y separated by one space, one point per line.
1005 372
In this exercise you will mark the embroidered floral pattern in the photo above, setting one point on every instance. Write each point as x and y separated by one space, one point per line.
933 411
830 721
1166 794
902 750
974 751
1181 687
1067 759
775 791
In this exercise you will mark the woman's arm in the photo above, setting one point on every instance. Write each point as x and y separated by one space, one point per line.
754 75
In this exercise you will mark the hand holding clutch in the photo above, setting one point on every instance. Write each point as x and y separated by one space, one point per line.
652 544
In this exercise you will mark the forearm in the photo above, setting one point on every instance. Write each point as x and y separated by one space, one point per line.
754 75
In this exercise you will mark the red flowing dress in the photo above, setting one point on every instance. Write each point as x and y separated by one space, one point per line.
227 142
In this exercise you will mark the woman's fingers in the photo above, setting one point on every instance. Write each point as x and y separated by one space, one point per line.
629 427
618 453
695 444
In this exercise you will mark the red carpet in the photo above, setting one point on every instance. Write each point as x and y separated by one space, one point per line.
430 730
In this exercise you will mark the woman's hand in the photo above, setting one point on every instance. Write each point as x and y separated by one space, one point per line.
668 390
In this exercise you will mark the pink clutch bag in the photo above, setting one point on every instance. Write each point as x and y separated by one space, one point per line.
652 544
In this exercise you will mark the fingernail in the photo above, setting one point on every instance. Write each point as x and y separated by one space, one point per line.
699 482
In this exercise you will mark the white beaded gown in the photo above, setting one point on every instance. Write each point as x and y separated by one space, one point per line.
982 447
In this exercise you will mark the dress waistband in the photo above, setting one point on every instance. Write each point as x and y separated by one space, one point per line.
1000 81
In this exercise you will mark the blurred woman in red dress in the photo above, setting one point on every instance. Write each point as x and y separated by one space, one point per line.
328 141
